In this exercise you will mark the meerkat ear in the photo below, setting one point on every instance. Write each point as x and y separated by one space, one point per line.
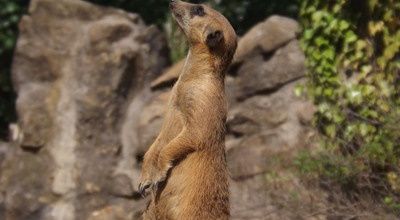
214 37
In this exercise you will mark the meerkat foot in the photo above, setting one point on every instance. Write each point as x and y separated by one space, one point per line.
143 187
153 180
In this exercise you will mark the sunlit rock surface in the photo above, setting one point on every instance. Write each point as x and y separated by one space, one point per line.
77 70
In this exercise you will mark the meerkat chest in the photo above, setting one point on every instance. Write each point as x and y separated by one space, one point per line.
183 95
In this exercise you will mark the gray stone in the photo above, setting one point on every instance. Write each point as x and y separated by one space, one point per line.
259 74
77 70
267 126
267 36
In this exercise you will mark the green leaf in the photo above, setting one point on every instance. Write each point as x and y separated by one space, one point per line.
372 4
317 16
343 25
350 37
329 54
331 130
308 34
298 90
321 41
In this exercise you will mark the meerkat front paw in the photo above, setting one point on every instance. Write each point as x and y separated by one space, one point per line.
152 175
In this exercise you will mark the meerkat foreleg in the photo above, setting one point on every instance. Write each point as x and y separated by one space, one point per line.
157 165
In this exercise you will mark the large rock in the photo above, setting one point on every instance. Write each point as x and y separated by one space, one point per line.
266 127
5 149
261 74
267 36
77 70
5 152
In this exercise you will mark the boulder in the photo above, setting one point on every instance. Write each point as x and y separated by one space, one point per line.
6 150
267 127
267 36
78 68
264 74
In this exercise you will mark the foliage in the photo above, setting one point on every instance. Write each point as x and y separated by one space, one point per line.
176 40
152 11
353 54
10 11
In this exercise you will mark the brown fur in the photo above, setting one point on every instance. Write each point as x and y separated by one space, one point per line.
185 168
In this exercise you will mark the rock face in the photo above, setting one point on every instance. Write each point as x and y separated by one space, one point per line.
91 99
78 69
272 71
267 36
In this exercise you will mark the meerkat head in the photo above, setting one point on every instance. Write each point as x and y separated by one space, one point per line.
205 27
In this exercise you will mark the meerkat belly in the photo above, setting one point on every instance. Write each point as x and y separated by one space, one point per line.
199 178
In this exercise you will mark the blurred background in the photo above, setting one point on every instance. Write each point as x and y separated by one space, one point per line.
314 96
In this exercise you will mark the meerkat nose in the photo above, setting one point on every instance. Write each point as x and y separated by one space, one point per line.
171 4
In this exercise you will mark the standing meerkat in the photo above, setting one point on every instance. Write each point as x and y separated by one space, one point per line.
185 168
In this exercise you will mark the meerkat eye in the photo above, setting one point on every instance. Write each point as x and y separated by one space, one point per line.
197 10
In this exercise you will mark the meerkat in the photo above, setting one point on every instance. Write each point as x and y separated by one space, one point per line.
185 168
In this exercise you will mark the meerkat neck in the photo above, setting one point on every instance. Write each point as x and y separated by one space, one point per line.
200 62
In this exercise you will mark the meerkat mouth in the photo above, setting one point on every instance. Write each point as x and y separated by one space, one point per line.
175 11
178 17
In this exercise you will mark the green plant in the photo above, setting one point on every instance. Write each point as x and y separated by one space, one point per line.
176 40
152 11
10 12
353 55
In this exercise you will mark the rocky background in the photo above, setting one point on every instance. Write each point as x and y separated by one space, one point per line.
92 85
